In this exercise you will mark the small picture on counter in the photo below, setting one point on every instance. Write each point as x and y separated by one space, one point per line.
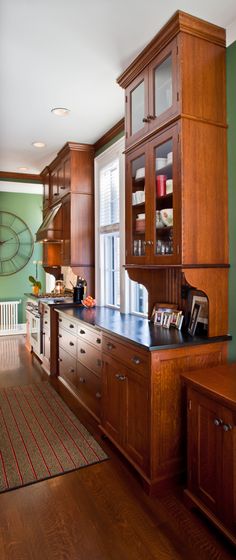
176 319
158 317
166 319
194 318
162 307
203 301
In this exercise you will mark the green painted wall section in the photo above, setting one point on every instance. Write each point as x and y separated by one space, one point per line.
29 208
115 139
231 115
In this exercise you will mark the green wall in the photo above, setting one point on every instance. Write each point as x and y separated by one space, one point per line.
29 208
231 115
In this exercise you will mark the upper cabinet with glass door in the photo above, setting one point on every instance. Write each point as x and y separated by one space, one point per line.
152 98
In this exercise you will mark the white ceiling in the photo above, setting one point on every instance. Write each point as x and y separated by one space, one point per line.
68 53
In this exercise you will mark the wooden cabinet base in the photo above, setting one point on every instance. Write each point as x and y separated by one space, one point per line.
72 390
193 503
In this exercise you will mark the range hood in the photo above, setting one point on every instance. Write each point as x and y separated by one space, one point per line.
51 228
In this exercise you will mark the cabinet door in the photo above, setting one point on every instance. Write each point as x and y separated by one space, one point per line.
112 414
67 175
165 203
60 180
66 232
137 233
136 404
227 504
54 183
46 193
163 86
136 108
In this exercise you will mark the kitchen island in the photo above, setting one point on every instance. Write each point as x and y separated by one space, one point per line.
125 372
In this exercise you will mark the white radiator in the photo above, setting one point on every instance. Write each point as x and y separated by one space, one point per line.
9 317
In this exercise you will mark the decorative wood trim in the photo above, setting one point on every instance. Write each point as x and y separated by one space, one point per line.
180 21
169 266
110 134
21 177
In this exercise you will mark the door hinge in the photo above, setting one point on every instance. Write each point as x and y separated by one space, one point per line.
178 137
177 49
177 96
190 404
126 99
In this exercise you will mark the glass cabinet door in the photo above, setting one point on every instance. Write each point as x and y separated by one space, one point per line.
163 73
166 200
137 107
163 86
136 206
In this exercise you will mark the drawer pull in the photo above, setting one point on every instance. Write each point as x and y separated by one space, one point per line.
120 377
71 370
136 360
60 320
98 340
227 427
72 343
72 326
218 422
45 322
60 335
45 312
99 363
81 331
82 351
82 380
59 359
98 395
110 346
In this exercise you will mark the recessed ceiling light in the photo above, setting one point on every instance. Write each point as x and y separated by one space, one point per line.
60 111
23 168
38 144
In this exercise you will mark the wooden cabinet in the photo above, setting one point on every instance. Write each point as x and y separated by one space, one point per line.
46 188
211 403
152 97
80 362
125 410
46 337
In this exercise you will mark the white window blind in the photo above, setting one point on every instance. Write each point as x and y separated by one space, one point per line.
109 195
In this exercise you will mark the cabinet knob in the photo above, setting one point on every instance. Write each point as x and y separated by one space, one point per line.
98 340
71 370
81 331
82 351
81 379
227 427
60 335
59 360
98 395
120 377
151 117
71 343
145 119
136 360
45 322
110 346
60 320
218 421
72 326
99 363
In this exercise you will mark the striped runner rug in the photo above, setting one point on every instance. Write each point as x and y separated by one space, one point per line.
40 437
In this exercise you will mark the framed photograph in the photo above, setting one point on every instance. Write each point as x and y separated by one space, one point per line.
162 307
158 318
203 301
194 318
166 319
175 318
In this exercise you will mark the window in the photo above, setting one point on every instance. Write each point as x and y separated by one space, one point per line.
113 286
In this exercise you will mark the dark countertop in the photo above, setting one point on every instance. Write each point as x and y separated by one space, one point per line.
135 329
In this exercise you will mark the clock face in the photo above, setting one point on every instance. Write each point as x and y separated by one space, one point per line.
16 243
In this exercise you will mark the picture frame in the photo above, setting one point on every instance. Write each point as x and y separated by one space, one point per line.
203 301
166 319
158 318
176 318
194 318
163 307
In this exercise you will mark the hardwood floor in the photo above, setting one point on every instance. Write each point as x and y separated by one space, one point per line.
98 512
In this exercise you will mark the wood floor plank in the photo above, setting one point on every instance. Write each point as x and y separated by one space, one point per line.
99 512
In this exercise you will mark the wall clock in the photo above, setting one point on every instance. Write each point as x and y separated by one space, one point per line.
16 243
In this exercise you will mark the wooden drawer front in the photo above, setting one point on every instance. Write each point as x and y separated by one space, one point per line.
67 324
89 388
89 335
67 366
89 356
67 341
46 323
130 355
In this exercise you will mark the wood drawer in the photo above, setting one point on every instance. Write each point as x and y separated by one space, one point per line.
67 341
89 389
131 356
89 335
46 324
67 366
89 356
68 324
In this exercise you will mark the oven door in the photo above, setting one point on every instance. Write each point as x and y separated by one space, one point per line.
35 333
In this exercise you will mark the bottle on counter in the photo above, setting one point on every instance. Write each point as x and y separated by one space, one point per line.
79 290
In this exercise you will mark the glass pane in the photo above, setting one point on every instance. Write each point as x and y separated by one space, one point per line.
163 86
138 206
112 269
109 194
137 108
164 198
139 298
